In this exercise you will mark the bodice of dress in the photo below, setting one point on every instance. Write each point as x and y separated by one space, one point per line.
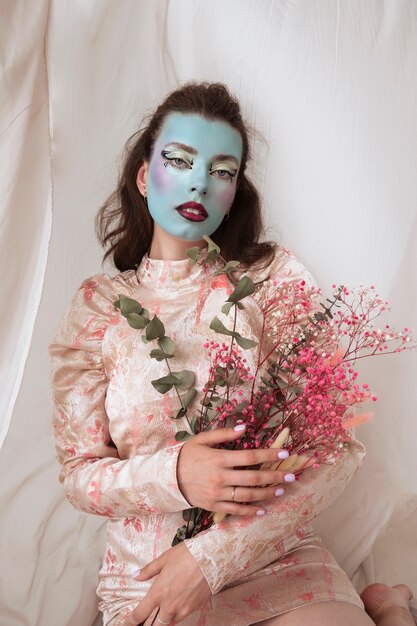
185 297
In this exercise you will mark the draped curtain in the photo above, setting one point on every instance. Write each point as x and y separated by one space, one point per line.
329 88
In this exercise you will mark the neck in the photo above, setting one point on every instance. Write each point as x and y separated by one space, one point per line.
168 248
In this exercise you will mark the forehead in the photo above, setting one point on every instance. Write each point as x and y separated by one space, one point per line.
208 137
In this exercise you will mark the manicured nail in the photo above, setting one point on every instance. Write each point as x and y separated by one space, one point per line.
289 478
260 512
283 454
279 491
239 427
136 573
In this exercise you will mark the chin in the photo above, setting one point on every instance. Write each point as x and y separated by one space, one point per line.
190 237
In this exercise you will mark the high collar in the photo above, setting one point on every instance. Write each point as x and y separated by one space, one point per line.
174 274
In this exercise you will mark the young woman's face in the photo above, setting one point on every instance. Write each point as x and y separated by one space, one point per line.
192 174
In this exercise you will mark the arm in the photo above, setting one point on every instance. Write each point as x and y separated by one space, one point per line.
239 546
95 479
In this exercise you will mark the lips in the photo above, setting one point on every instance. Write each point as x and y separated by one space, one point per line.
192 211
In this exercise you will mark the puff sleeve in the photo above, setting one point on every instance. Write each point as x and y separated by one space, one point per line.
96 480
239 546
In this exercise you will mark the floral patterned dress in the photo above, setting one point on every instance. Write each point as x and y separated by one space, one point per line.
116 445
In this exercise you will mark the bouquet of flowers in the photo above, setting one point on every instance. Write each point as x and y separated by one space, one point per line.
304 389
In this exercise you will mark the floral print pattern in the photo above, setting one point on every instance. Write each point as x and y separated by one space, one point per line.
116 446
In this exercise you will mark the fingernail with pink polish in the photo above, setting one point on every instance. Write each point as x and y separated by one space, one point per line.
283 454
260 512
279 491
136 573
240 427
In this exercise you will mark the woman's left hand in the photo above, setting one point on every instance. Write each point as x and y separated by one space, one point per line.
179 588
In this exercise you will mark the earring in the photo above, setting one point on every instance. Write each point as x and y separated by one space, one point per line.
226 216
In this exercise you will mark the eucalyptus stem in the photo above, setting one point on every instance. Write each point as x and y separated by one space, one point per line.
230 349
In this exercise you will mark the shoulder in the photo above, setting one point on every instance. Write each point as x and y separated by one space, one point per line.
91 308
285 266
102 288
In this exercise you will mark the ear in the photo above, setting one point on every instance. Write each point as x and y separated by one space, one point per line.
141 177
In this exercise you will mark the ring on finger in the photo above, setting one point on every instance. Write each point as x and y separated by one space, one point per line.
161 621
233 493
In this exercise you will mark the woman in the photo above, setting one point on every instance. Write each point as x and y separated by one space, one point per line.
184 177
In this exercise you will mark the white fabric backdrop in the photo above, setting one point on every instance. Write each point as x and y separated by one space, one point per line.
331 85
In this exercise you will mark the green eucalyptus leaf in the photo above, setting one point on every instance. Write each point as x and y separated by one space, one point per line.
212 247
167 345
282 383
154 329
245 343
219 327
165 383
239 305
210 256
128 305
245 287
180 413
320 317
186 379
229 268
161 387
194 253
268 382
226 307
136 321
188 397
169 379
160 355
195 423
186 514
144 339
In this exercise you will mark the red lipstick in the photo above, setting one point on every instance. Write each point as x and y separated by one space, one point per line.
193 211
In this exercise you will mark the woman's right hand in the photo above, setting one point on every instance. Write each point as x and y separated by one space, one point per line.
206 475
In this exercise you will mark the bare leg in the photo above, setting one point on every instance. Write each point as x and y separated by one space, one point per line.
388 606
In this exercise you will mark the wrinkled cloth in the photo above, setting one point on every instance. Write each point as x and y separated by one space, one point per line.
115 441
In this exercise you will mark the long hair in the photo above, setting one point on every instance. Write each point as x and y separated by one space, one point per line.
124 225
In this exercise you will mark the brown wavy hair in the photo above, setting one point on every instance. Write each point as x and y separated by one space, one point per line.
124 224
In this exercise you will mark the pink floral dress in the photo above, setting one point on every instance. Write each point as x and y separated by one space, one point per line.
116 445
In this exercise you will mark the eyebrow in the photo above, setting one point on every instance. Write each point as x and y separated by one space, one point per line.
218 157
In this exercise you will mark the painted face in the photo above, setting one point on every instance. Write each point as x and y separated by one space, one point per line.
191 181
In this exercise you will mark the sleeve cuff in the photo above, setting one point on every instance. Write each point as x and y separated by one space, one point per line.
166 470
206 562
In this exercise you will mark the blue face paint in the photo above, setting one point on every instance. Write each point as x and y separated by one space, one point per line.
195 161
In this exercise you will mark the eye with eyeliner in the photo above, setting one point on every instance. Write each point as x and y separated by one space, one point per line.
230 173
171 158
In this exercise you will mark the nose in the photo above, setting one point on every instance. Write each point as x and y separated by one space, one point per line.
199 181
